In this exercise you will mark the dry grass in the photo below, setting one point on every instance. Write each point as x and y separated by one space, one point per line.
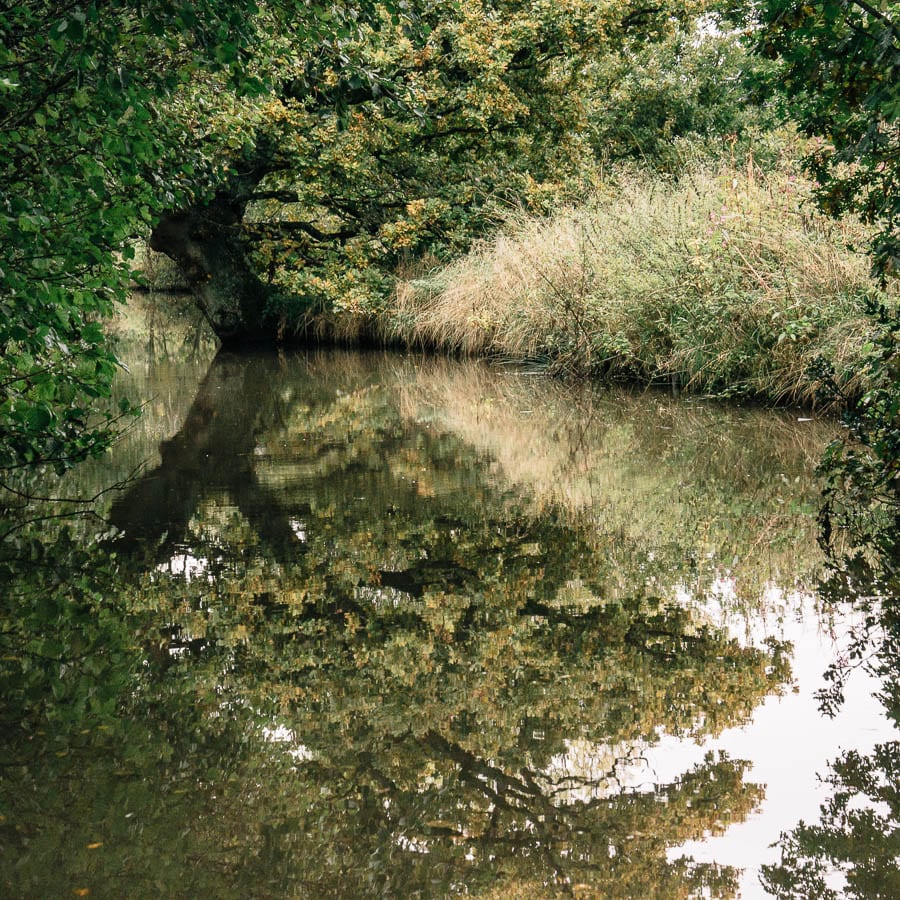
723 282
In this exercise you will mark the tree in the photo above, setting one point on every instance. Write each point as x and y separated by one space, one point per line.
88 155
857 836
400 141
690 94
839 75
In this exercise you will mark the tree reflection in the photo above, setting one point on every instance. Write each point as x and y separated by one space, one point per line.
359 664
854 849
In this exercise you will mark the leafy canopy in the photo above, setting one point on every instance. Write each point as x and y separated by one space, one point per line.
839 76
87 158
410 136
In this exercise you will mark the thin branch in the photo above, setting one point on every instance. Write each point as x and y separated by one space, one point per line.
26 377
874 12
282 196
275 229
48 518
118 486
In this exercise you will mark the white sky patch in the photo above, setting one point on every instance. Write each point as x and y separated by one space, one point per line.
281 734
788 742
186 566
593 771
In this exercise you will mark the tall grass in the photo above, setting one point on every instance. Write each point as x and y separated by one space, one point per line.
723 282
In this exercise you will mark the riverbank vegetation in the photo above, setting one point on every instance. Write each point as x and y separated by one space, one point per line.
723 281
596 189
282 154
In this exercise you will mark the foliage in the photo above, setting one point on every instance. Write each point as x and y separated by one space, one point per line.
720 282
691 96
58 627
83 163
405 140
859 834
862 488
838 71
854 848
90 154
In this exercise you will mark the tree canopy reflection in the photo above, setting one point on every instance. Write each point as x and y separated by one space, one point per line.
853 850
357 664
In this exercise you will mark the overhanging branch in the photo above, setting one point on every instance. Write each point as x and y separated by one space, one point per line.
281 196
274 230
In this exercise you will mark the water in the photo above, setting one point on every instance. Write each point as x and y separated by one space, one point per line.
383 625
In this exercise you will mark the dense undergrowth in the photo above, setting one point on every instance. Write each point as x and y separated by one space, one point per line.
722 281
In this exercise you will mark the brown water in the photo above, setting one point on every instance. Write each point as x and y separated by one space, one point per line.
405 627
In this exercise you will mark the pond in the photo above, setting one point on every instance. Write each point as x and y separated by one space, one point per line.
388 625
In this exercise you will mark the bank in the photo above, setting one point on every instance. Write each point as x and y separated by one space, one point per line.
723 282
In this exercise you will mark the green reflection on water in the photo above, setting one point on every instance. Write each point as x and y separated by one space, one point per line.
380 625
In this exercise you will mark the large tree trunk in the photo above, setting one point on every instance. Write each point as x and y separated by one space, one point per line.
206 242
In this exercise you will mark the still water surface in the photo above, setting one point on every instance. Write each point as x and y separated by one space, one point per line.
413 627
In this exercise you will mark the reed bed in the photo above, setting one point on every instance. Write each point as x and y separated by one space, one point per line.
722 282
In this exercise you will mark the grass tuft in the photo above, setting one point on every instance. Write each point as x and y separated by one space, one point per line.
723 282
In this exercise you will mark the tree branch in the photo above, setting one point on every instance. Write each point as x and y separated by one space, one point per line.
873 12
282 196
276 229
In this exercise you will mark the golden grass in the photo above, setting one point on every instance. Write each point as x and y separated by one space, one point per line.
724 281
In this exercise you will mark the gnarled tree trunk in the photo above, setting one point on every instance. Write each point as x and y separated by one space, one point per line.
207 244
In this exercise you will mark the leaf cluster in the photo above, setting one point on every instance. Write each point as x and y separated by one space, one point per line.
838 71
